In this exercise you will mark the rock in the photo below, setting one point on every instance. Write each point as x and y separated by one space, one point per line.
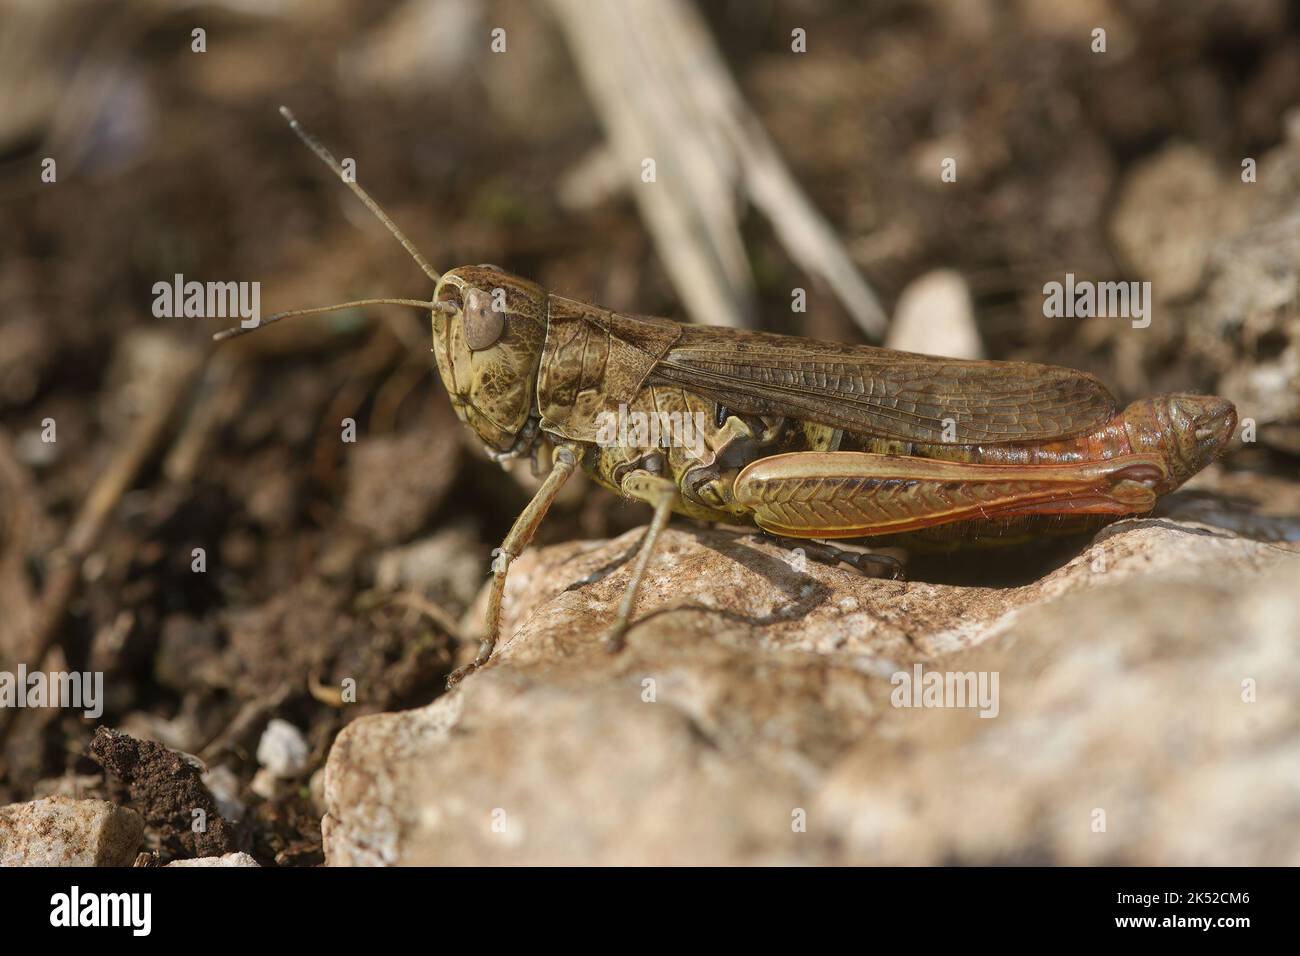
35 451
752 717
61 831
226 859
1161 705
1248 323
436 564
935 316
396 481
69 785
316 790
1262 507
224 787
1170 211
283 750
267 785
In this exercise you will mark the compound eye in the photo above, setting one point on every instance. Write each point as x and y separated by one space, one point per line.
483 324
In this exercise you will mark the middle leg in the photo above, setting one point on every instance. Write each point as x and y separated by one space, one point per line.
662 494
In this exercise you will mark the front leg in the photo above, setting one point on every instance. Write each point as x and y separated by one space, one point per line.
521 534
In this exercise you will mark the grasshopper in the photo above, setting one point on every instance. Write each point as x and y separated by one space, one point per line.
805 440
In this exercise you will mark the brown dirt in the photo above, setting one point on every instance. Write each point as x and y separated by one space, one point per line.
168 790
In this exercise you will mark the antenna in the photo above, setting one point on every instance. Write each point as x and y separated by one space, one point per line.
270 319
328 159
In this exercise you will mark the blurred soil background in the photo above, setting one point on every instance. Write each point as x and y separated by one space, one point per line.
327 562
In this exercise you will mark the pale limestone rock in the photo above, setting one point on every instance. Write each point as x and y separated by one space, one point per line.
62 831
750 718
1247 324
1170 210
436 564
283 750
935 316
226 859
1125 707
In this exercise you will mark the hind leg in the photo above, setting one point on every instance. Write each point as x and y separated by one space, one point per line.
824 552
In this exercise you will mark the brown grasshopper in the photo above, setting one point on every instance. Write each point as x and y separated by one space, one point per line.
803 439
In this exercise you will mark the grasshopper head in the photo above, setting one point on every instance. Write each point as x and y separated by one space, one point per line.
487 339
488 330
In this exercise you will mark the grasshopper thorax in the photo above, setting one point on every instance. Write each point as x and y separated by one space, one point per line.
487 339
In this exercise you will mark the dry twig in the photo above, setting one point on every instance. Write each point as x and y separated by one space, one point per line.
663 92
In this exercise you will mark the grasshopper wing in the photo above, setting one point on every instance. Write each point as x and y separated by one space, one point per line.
885 393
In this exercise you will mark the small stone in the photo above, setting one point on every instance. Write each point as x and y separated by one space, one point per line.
61 831
266 785
1167 218
935 316
33 450
283 750
226 859
440 565
224 787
